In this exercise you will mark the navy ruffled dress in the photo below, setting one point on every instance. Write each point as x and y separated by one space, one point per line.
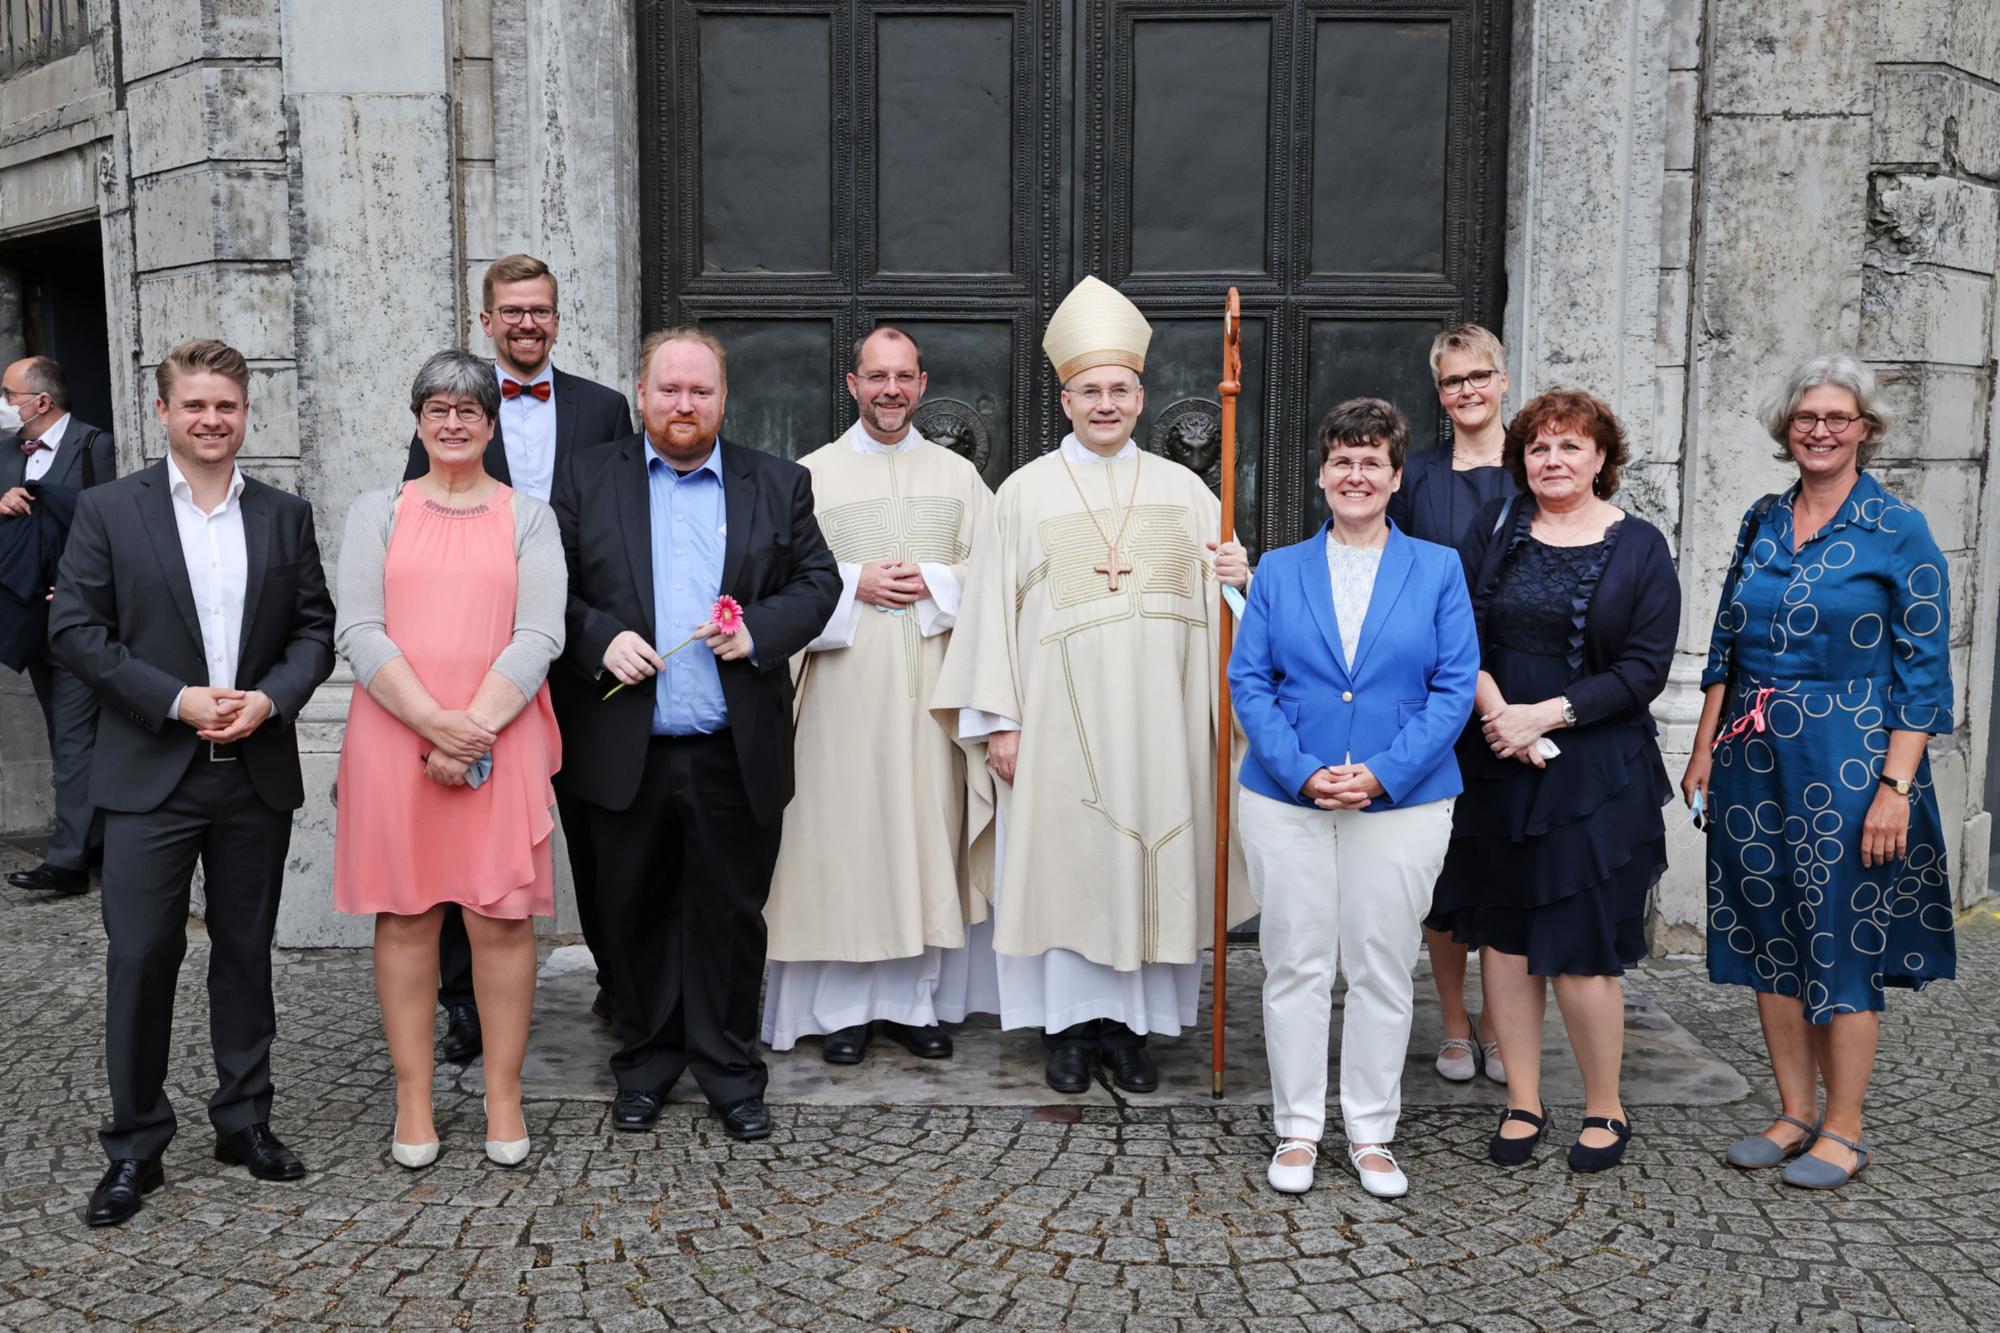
1558 864
1852 637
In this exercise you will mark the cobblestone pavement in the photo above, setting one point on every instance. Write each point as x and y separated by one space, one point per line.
951 1218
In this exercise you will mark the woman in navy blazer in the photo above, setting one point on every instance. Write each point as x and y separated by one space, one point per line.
1353 674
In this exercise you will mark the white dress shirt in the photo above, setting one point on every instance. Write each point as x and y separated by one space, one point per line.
218 567
528 434
40 461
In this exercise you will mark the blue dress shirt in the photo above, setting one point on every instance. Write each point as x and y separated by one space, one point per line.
690 533
528 435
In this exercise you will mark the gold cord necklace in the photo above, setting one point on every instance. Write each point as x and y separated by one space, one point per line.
1111 568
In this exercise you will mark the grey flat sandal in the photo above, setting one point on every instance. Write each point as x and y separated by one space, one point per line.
1756 1152
1816 1173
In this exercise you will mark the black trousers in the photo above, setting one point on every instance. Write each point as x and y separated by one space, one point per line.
682 877
455 950
1096 1034
213 816
69 711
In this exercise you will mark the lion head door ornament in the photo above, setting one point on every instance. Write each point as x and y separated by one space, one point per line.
959 426
1190 433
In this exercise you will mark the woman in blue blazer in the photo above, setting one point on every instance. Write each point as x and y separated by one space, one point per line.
1353 674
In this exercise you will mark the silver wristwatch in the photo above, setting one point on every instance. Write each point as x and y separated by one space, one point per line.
1569 711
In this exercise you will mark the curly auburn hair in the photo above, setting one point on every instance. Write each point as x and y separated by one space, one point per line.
1575 410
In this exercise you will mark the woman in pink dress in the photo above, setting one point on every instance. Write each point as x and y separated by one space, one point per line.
451 610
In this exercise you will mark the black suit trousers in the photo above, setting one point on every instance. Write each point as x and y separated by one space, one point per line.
69 710
212 815
682 876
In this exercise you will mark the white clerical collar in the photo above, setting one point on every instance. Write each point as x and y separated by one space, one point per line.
1076 452
859 440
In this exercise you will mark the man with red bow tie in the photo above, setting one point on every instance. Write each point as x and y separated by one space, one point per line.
41 444
546 417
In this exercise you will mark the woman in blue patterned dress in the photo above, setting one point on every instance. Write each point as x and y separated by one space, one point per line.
1828 671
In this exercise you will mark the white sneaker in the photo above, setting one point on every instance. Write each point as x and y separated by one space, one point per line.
1457 1059
1293 1179
1390 1184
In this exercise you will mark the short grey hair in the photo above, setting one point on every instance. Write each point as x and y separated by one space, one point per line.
1842 372
44 375
457 374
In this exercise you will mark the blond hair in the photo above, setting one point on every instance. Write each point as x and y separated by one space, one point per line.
202 354
1473 340
515 268
683 333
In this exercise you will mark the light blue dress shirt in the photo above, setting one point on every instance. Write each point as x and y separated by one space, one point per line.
528 434
690 533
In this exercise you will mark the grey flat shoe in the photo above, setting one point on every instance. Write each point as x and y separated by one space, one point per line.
1816 1173
1756 1152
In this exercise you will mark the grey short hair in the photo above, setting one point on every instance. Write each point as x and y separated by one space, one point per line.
457 374
45 376
1842 372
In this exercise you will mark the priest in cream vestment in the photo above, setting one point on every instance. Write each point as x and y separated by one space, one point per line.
873 891
1082 679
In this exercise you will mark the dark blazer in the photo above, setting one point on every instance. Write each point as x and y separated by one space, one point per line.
1421 506
1620 653
775 562
79 438
587 414
124 621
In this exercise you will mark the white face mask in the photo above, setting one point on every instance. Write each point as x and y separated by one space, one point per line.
10 418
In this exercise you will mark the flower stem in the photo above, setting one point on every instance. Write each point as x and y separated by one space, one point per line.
663 656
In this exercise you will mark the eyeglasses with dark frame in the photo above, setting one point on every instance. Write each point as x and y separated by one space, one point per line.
1836 423
514 314
1478 379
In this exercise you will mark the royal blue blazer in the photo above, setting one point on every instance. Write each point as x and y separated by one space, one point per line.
1402 706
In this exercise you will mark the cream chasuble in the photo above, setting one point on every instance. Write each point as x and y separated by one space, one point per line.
872 882
1108 825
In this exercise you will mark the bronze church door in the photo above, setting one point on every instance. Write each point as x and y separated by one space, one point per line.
814 168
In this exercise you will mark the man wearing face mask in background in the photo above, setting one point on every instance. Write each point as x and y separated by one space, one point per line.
47 447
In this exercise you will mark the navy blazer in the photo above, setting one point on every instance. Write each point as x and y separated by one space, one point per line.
1398 710
1422 505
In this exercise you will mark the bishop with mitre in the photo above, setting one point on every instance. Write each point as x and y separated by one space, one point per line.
1082 681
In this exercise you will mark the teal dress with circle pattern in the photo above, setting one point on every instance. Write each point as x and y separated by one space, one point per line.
1852 637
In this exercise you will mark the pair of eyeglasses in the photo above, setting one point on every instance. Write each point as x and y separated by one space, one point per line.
1477 379
1367 467
470 413
514 314
1836 423
1091 397
902 379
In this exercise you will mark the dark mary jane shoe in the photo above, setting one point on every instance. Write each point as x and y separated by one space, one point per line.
1600 1159
1513 1152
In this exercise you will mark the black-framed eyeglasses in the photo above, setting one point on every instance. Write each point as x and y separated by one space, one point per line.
1836 423
514 314
1478 379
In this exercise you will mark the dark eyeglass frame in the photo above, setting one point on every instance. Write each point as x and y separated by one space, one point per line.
1478 379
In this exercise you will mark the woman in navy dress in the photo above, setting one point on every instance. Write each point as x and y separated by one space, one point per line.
1828 670
1444 487
1553 857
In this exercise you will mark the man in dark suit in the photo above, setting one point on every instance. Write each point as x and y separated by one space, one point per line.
546 416
192 600
686 773
52 448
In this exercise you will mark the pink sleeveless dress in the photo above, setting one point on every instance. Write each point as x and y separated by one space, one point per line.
403 843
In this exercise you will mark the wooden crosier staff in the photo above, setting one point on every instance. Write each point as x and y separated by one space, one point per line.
1232 384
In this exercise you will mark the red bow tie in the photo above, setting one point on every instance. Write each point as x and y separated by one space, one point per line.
539 390
30 447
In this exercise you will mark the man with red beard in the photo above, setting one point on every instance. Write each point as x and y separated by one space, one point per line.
682 759
546 416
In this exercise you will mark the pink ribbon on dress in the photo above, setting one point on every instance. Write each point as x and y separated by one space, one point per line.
1753 720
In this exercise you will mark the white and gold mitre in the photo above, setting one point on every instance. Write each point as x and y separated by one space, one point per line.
1096 326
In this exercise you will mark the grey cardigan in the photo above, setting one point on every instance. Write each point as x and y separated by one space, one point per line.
361 632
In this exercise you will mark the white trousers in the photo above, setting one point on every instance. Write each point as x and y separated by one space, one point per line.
1344 889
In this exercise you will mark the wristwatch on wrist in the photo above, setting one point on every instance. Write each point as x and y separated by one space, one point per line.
1901 786
1568 710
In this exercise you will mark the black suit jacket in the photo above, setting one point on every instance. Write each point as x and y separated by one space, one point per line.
775 562
79 438
124 621
587 414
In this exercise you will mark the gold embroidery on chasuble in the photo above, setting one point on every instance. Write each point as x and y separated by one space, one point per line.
919 529
1166 562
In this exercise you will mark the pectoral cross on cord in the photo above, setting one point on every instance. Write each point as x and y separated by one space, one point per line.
1112 568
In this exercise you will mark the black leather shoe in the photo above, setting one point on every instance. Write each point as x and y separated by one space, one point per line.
1132 1069
844 1046
604 1007
636 1110
747 1119
258 1148
1069 1067
1512 1152
1601 1159
46 878
119 1195
929 1043
462 1039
